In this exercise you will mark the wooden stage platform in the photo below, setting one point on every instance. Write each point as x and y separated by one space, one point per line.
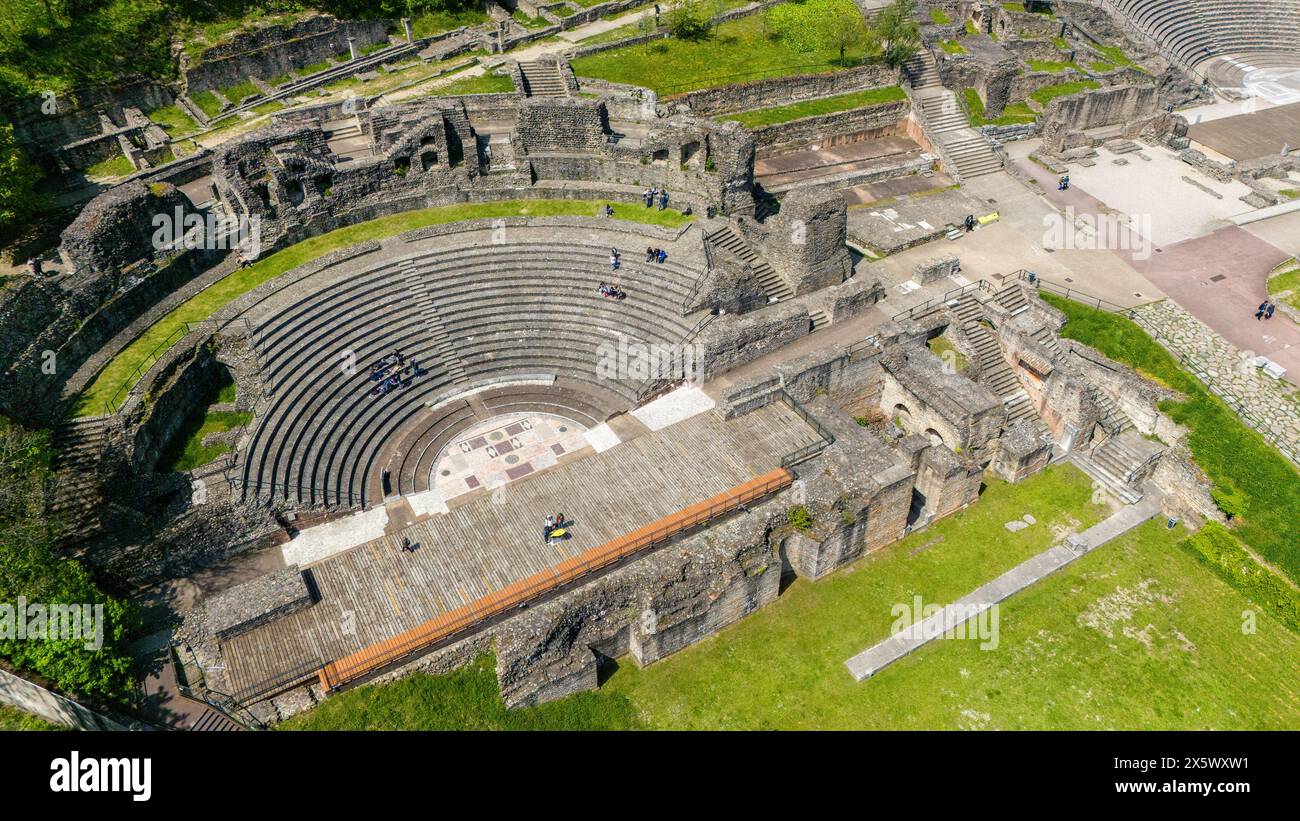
1250 136
376 591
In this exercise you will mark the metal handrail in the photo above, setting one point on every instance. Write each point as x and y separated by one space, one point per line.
803 454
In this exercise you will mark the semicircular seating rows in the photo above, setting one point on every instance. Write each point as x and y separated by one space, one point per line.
1197 30
501 319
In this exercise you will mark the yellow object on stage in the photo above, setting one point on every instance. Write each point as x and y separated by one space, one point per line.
559 533
987 218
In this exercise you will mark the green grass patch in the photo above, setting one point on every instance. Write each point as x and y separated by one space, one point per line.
943 348
486 83
739 51
113 167
1054 66
236 93
1288 193
1061 43
1135 635
811 108
465 699
537 22
431 23
1237 459
1102 67
952 47
146 348
13 720
174 120
312 68
1284 282
1045 95
207 102
186 451
1012 113
939 17
970 27
1115 54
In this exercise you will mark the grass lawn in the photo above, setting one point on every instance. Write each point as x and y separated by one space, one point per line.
811 108
1116 55
174 120
1012 113
739 51
236 93
431 23
1044 96
1287 281
118 166
486 83
1053 66
13 720
1137 634
207 103
186 451
1238 460
945 351
465 699
952 47
145 349
939 17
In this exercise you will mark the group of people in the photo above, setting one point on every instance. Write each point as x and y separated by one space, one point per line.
611 291
393 372
556 528
1063 184
654 195
1266 309
655 255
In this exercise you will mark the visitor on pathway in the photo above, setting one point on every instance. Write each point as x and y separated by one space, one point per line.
613 261
662 256
650 254
1259 312
663 200
1269 313
35 264
646 197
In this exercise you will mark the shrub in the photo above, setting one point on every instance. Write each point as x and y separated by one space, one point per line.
800 518
1217 548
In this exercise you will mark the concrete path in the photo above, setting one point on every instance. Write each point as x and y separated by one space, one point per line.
881 655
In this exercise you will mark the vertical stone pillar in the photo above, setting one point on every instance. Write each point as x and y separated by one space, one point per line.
352 48
406 26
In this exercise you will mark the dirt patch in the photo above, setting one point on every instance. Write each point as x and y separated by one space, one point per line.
1117 609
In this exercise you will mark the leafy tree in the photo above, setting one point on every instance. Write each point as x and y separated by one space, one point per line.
689 20
899 33
18 178
819 25
31 568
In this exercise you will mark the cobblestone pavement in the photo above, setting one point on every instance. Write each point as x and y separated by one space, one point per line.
1269 405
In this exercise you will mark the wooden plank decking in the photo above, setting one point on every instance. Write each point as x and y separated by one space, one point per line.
374 592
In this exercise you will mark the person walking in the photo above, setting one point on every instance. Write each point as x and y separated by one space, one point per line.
1269 313
1259 313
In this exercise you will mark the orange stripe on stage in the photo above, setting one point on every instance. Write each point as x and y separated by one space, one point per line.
381 654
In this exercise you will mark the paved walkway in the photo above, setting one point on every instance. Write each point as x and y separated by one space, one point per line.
876 658
1268 404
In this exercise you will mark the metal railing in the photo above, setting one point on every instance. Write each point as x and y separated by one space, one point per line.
225 704
115 402
803 454
525 592
934 303
655 384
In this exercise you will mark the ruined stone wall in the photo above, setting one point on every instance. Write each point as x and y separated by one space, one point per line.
734 339
1133 106
804 242
43 124
274 51
561 124
781 90
872 121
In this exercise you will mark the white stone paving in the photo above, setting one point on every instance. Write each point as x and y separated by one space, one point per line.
601 438
674 407
322 541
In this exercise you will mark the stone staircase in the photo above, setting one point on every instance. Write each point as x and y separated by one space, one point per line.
1048 340
543 80
442 344
1113 420
967 149
921 72
1119 463
774 285
1013 299
78 444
